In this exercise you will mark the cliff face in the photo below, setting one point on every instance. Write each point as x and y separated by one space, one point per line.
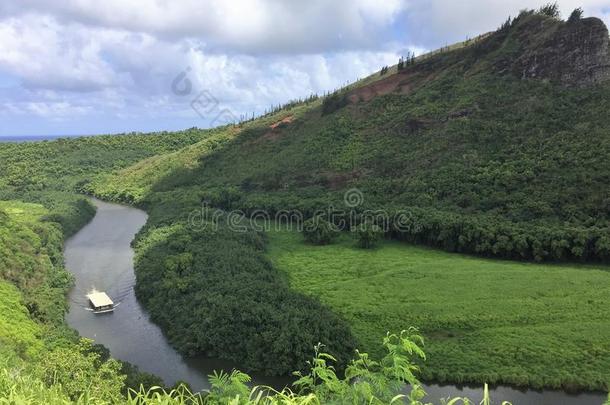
571 53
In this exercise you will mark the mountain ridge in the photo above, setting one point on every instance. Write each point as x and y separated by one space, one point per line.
461 138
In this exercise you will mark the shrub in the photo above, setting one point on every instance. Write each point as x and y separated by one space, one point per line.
333 103
319 231
366 381
367 234
550 10
81 372
576 15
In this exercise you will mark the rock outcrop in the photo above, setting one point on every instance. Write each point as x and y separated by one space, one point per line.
571 53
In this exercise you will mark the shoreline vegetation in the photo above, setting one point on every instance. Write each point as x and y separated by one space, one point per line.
31 360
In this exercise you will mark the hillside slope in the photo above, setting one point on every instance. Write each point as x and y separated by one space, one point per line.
499 148
53 173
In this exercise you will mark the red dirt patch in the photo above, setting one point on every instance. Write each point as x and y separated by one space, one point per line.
405 82
286 120
275 133
401 83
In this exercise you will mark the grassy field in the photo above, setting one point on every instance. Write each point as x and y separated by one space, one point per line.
485 320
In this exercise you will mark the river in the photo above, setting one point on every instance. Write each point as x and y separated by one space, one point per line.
100 256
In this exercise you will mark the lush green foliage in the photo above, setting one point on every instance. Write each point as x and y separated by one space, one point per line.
50 173
213 292
452 167
31 258
319 231
467 173
80 371
367 234
19 335
522 179
34 340
249 297
366 381
486 321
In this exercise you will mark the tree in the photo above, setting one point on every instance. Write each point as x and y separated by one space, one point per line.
576 15
401 63
368 234
81 371
506 25
333 103
550 10
319 231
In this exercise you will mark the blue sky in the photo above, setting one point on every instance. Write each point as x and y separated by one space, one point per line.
88 67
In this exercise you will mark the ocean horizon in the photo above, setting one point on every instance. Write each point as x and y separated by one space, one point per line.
36 138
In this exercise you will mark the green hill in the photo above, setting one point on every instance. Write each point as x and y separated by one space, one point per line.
484 158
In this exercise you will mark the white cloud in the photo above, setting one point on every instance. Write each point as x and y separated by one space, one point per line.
69 70
45 54
239 25
441 21
115 60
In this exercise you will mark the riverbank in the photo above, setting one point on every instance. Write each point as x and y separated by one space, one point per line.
100 256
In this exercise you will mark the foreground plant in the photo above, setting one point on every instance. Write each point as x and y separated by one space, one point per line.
392 380
366 381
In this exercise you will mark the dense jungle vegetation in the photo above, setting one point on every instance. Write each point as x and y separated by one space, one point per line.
481 162
478 160
475 158
34 340
366 381
53 173
42 361
256 294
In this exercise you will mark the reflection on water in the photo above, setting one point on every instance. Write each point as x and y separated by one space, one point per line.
100 256
515 396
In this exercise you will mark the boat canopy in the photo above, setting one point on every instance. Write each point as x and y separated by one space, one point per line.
100 300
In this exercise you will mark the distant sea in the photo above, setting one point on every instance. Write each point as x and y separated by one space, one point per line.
34 138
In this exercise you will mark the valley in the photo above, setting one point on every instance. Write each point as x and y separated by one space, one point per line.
480 174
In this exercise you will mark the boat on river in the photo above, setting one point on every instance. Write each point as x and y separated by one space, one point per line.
100 302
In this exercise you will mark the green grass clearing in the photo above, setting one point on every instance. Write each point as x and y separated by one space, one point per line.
485 320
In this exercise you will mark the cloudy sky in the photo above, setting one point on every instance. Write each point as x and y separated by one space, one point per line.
88 66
